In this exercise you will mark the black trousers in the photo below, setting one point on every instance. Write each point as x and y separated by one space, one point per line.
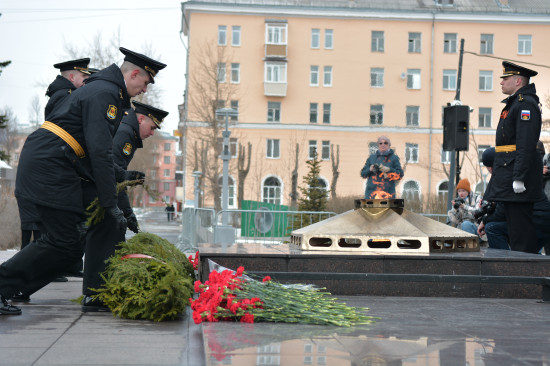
522 232
101 242
26 236
45 258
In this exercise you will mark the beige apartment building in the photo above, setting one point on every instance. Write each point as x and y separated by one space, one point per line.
332 76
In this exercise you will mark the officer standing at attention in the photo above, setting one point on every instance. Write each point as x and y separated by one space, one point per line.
516 180
75 144
136 125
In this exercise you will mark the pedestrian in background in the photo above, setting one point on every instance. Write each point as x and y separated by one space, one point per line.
382 170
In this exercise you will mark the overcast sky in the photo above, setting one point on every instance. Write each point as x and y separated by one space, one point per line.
33 34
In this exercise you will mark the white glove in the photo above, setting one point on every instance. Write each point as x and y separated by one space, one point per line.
518 186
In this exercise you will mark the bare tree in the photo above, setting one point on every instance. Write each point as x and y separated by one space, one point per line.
243 170
335 162
209 93
8 134
294 179
35 112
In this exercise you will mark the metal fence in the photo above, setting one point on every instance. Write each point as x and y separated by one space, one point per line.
204 225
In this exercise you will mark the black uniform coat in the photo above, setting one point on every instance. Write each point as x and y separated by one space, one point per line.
127 139
520 124
58 90
49 171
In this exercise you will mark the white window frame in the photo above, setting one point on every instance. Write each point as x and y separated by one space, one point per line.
221 72
415 42
411 194
314 107
312 146
445 157
411 153
235 73
273 192
236 35
412 115
329 39
274 110
449 42
166 173
315 38
376 114
314 75
273 149
275 72
486 44
449 79
485 115
325 150
485 80
222 35
525 44
377 41
377 77
276 34
327 112
414 78
166 186
231 191
167 159
327 76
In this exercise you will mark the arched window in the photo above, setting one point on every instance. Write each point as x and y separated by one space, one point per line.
411 190
323 184
271 191
231 191
443 189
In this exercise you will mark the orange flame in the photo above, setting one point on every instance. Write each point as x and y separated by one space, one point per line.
380 194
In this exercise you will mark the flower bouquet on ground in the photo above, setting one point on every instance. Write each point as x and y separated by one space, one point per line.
230 295
147 278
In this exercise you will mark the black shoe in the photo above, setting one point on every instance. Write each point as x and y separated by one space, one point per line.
20 297
74 274
60 279
7 309
90 305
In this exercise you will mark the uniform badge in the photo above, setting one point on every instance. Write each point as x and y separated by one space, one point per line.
525 115
504 114
111 112
127 149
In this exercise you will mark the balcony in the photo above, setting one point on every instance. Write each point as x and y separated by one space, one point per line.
274 89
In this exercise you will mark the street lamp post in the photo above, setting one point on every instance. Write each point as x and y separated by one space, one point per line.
226 156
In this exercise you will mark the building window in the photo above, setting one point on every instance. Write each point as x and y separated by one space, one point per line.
524 44
166 173
315 38
275 34
443 190
313 112
377 41
326 112
327 76
235 106
413 78
411 153
222 35
235 73
167 146
275 72
273 111
449 43
486 44
484 117
221 72
236 35
377 77
273 149
412 115
376 114
325 150
233 146
231 199
166 186
312 152
373 148
167 160
415 42
445 156
272 191
329 39
153 174
485 80
411 191
314 75
449 79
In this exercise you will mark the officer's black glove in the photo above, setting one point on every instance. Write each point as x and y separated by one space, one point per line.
134 175
132 223
118 215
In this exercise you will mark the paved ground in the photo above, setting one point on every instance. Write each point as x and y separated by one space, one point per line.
412 331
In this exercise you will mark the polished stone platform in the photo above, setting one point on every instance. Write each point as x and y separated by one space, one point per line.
489 273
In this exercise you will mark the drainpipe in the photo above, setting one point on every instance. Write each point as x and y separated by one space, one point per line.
431 107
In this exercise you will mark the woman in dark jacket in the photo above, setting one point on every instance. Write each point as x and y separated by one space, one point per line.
382 170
